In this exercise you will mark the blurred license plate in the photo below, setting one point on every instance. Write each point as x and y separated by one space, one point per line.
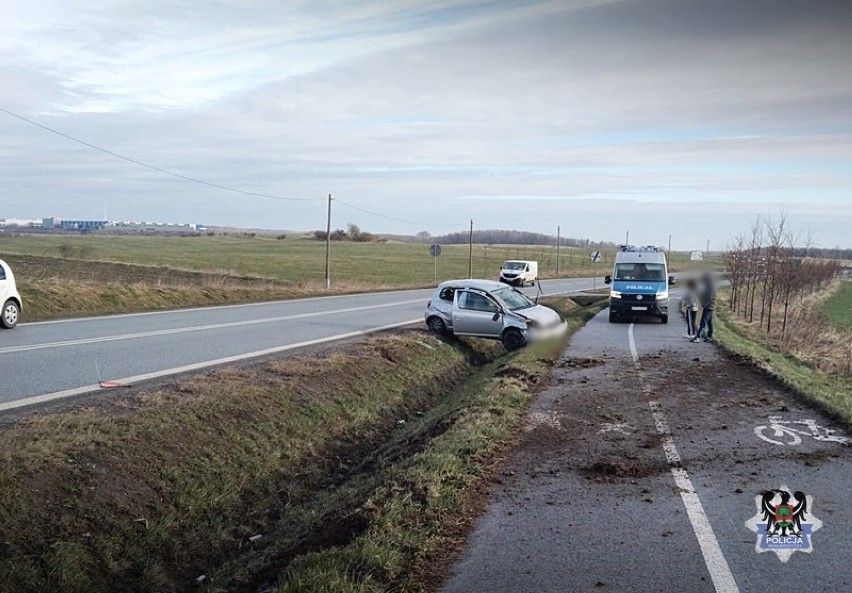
639 308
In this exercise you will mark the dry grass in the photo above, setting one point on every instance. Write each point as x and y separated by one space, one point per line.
810 336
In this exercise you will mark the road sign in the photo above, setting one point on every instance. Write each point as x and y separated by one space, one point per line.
596 256
435 250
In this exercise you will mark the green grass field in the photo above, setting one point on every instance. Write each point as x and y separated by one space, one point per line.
301 260
838 307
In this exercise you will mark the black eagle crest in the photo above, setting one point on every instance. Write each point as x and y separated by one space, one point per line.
783 517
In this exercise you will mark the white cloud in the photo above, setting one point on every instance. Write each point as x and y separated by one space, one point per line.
406 107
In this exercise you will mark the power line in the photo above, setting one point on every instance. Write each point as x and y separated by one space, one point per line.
394 218
154 167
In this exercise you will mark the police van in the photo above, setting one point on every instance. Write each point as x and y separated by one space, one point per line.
640 284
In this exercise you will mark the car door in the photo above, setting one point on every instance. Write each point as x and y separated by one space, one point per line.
4 284
474 313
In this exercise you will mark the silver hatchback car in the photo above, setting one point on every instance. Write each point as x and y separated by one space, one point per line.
488 309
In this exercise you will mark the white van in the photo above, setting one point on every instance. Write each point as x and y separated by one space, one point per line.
11 311
519 272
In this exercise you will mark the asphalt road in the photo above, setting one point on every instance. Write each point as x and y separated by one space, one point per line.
47 361
638 469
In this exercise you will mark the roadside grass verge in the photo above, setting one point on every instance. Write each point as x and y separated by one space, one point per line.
338 471
830 392
412 513
838 307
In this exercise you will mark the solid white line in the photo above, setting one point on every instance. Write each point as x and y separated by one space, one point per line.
180 330
47 397
714 558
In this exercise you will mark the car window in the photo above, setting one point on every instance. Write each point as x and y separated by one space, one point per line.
447 294
2 273
512 299
476 302
641 271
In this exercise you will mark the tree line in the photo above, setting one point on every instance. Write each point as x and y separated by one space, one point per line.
506 237
768 274
352 233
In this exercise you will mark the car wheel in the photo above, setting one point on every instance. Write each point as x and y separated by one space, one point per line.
9 315
664 318
513 340
613 317
437 325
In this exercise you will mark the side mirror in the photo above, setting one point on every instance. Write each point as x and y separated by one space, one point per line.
672 281
607 279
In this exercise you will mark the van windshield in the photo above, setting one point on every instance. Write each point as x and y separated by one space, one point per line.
514 265
512 299
641 271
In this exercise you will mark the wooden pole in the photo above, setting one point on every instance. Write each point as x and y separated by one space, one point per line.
328 247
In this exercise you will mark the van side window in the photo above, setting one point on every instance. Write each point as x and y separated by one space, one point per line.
2 273
447 294
475 302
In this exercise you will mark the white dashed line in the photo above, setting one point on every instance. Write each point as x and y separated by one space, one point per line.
714 559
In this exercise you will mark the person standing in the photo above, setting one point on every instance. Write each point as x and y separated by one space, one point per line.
708 308
690 305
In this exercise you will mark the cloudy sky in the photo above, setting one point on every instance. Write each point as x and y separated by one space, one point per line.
686 117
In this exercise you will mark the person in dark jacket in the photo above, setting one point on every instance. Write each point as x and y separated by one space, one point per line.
708 308
691 302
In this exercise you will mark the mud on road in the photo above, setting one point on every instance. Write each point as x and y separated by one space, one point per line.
588 501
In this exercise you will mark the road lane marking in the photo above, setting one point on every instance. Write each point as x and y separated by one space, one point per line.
180 330
714 559
48 397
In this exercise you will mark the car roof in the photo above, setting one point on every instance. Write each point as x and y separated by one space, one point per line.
634 257
486 285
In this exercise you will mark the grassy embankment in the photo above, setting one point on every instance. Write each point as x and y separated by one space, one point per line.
837 308
830 391
153 490
62 276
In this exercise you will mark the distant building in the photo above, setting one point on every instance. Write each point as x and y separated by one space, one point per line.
55 223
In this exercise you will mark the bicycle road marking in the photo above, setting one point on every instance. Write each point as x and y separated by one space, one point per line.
792 436
714 559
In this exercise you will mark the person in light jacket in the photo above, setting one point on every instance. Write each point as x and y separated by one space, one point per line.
690 305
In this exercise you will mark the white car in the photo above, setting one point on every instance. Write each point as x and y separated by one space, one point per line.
488 309
10 298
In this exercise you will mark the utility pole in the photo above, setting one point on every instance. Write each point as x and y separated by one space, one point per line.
707 251
627 238
470 253
558 240
328 247
670 244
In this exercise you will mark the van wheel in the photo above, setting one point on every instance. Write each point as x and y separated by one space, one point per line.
664 318
437 325
513 340
613 317
9 315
